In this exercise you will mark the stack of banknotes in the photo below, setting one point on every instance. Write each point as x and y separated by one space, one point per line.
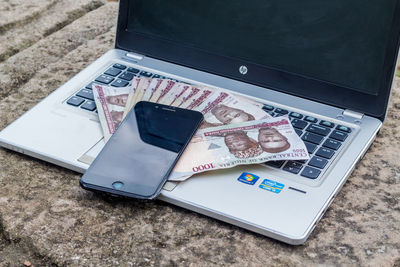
236 130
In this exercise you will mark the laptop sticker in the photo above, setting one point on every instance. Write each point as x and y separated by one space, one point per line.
248 178
272 186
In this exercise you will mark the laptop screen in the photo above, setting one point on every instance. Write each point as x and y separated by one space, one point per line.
331 41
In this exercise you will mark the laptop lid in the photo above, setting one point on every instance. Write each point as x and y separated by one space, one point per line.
342 53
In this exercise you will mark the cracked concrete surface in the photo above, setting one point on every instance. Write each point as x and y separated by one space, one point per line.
47 219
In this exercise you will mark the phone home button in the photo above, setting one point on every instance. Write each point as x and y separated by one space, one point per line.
118 185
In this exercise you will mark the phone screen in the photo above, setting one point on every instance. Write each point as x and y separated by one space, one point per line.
138 158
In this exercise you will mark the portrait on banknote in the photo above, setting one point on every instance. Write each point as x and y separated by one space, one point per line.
229 115
272 141
241 145
119 100
117 117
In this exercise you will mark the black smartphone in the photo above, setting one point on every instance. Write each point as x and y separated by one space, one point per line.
138 158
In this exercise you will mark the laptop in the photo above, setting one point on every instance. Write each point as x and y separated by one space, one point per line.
328 65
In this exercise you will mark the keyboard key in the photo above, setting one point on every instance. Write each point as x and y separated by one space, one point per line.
310 172
75 101
156 76
133 70
313 138
295 115
271 113
119 66
127 76
294 164
275 163
291 169
112 72
299 124
104 79
281 111
299 132
268 107
89 105
310 147
343 128
318 129
146 74
119 83
333 144
89 86
318 162
327 124
338 135
325 152
310 119
86 93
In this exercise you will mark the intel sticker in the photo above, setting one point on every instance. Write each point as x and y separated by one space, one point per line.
272 186
248 178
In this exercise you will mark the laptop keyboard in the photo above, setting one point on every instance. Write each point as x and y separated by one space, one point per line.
117 75
323 139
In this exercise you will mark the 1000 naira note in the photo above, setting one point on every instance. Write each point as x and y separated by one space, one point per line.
242 143
110 103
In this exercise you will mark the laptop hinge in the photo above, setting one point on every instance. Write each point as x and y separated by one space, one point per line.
353 114
134 56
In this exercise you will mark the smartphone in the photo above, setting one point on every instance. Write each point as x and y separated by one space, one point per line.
137 160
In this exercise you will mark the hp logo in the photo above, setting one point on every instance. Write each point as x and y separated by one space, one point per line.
243 69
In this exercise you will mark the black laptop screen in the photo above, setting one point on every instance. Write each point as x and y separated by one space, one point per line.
341 42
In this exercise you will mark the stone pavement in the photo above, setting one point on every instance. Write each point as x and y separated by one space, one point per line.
47 219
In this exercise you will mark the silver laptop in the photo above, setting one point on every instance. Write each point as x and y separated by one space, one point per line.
328 65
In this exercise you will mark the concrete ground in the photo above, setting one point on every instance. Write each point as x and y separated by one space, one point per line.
46 219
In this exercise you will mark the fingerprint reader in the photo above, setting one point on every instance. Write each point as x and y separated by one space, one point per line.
118 185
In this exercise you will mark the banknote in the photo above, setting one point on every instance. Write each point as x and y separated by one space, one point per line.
192 95
248 142
141 90
165 86
196 99
223 108
244 98
168 97
200 98
139 87
110 103
133 89
153 86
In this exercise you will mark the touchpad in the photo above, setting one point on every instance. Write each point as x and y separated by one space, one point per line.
89 156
